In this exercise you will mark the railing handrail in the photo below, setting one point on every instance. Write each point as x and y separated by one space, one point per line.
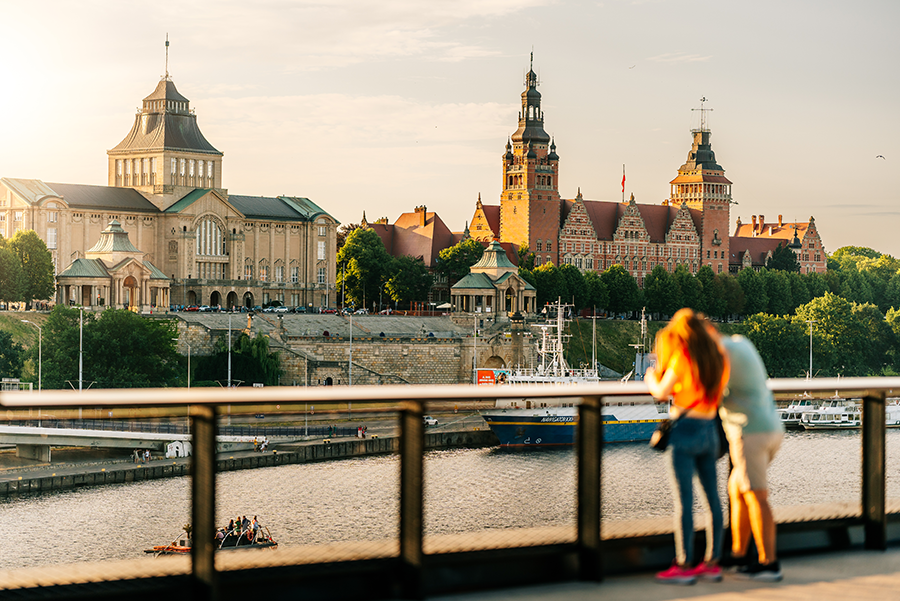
163 397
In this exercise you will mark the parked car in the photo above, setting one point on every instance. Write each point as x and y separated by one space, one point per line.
429 421
281 309
362 311
330 311
205 309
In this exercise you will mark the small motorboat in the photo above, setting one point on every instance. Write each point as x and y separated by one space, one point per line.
229 538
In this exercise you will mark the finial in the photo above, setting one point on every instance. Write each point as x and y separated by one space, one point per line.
703 112
167 56
531 62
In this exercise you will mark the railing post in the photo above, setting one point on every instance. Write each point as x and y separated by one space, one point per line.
412 446
589 441
874 515
203 502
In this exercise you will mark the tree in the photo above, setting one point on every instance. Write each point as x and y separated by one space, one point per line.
690 288
454 262
12 280
12 356
624 294
410 281
661 293
839 337
364 266
526 258
893 320
598 295
343 232
550 284
755 298
778 290
781 343
125 350
880 339
783 259
712 292
37 265
861 251
252 362
892 292
799 290
578 292
734 294
121 350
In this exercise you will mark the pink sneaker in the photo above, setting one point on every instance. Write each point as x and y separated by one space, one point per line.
677 575
705 571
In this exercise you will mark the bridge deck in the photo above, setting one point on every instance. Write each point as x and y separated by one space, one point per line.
839 576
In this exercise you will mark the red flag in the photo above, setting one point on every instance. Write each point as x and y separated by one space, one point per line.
623 179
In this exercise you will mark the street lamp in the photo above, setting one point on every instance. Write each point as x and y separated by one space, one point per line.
810 322
40 350
189 361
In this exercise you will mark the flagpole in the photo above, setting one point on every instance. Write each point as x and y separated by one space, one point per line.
623 182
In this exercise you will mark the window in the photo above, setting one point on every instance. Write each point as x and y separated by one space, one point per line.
295 275
322 230
321 275
200 169
51 217
248 272
174 165
537 260
549 249
18 216
264 272
51 237
182 167
153 170
210 238
537 246
279 273
209 170
321 250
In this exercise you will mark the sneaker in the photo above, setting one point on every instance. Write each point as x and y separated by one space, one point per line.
677 575
770 572
734 562
705 571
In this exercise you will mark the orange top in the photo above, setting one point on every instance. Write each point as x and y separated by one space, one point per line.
688 391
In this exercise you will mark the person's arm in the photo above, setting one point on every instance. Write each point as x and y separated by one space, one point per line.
661 387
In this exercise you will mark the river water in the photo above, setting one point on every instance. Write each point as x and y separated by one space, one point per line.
472 490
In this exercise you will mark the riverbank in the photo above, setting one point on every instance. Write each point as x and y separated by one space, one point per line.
93 468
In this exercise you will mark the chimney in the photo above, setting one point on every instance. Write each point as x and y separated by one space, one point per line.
422 216
762 223
779 221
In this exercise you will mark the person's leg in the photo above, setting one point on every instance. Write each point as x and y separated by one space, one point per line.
740 520
681 468
706 472
762 524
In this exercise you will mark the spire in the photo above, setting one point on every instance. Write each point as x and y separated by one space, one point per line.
364 222
478 202
531 118
167 57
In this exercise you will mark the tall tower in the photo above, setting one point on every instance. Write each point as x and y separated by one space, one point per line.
165 149
701 184
529 203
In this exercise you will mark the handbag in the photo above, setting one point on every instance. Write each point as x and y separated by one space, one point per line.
659 440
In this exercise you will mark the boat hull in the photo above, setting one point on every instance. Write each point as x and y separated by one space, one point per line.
525 428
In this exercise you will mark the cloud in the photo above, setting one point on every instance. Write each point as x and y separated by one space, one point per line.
679 57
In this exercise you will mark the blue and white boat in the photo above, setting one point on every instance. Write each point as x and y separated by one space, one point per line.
552 421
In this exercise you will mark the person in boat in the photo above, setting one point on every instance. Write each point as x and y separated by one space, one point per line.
230 528
693 369
754 433
220 536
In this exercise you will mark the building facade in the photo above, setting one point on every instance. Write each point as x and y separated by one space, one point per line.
165 190
690 228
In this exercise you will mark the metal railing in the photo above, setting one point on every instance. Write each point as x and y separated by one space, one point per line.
409 567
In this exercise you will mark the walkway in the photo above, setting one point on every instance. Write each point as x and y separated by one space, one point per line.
839 576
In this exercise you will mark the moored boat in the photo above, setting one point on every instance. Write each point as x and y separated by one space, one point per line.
791 415
843 414
552 421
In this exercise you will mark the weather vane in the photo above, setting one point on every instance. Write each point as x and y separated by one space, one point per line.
703 112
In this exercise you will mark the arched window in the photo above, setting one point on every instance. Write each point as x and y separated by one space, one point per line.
210 238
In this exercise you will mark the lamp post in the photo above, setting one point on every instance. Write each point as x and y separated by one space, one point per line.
40 351
810 322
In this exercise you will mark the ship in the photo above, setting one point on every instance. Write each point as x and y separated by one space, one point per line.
549 422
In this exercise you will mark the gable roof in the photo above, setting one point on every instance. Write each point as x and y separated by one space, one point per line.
781 231
407 236
81 196
85 268
758 248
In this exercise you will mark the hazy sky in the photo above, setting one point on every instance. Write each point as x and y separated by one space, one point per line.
383 106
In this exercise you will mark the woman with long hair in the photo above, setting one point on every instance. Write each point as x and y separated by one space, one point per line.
692 369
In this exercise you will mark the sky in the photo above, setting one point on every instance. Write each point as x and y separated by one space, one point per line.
384 106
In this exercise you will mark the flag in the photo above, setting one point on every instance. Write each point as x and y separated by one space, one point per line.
623 179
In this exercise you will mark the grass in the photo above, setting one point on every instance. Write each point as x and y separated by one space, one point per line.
22 333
